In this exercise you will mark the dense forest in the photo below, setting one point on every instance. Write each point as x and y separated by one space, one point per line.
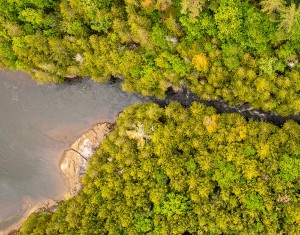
237 50
173 170
185 171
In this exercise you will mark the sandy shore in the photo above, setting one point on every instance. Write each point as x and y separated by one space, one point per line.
73 165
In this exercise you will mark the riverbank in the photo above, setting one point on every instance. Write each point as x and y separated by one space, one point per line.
74 161
39 207
185 97
73 164
39 123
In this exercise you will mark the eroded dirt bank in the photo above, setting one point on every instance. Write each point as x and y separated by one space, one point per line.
74 160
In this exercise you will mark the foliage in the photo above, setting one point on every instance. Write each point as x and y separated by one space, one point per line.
218 49
241 177
35 224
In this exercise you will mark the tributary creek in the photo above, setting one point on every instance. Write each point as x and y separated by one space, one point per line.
37 123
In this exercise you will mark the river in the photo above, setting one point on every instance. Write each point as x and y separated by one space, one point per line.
37 123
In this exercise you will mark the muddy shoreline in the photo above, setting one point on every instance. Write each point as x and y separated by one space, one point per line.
39 207
38 123
73 164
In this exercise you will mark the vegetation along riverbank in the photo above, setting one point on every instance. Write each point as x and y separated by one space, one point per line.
168 168
174 170
237 50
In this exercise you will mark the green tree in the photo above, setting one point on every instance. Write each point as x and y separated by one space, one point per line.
271 6
290 18
36 224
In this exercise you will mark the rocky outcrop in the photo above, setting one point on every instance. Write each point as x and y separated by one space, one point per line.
75 160
73 166
88 142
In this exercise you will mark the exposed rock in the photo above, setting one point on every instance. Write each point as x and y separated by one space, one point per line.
71 76
74 161
73 166
87 143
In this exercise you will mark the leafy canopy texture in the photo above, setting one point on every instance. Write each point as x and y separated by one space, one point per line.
236 50
186 171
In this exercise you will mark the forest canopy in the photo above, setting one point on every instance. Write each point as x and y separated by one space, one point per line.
237 50
173 170
178 170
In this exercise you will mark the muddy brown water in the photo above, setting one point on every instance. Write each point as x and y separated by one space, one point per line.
37 122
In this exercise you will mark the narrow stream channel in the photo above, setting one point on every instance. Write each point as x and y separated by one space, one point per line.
186 98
